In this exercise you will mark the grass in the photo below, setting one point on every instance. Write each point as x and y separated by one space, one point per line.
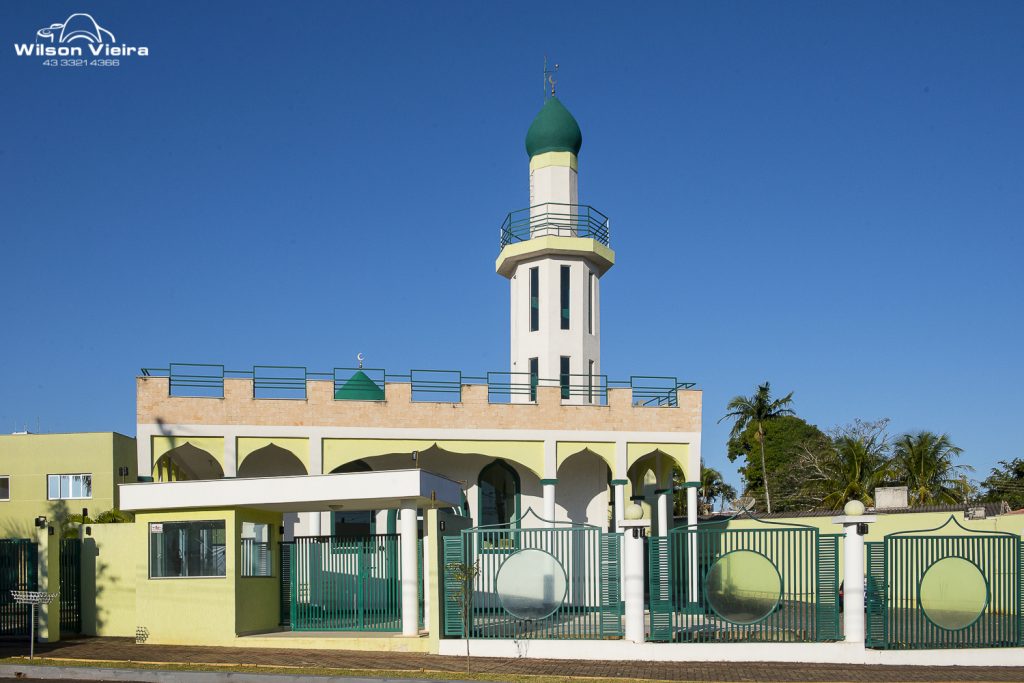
315 671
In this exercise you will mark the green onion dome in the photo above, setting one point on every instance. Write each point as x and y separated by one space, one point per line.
553 130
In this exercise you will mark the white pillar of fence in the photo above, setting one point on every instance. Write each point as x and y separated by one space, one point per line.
691 523
410 594
548 488
664 514
855 526
633 532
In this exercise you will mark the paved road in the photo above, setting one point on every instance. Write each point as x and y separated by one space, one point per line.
125 649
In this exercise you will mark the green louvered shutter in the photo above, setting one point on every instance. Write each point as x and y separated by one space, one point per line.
611 585
876 612
453 552
660 589
827 611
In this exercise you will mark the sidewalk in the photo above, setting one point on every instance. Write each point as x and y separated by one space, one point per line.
115 650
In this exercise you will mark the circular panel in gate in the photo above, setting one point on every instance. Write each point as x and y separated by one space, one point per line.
531 584
743 587
953 593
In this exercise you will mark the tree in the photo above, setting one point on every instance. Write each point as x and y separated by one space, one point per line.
758 410
464 575
851 467
925 462
1006 483
712 487
784 442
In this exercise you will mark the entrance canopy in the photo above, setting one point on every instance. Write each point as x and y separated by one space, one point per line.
303 493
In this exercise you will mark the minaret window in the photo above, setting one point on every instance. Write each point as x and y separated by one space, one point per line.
563 376
565 297
534 299
590 301
534 372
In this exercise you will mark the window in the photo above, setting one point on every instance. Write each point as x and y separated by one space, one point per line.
590 382
254 557
534 299
591 283
499 494
5 488
68 486
186 549
534 373
565 297
563 376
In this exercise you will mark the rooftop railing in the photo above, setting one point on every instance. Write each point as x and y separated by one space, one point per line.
555 220
205 380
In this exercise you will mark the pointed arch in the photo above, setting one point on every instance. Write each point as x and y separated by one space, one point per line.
271 461
499 491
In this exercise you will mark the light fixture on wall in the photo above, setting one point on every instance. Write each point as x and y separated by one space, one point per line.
416 459
40 522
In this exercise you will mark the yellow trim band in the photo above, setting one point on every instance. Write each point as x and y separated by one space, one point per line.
555 159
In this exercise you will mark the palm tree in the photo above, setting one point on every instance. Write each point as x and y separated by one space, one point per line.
925 462
851 470
712 487
758 410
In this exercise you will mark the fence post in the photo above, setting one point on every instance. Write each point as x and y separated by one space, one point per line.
633 533
49 539
855 527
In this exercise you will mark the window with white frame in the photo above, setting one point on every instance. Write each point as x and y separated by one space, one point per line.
254 557
68 486
5 487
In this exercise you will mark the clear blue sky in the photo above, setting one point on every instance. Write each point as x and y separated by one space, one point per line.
827 195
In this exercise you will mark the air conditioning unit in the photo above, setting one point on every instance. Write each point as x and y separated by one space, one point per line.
975 512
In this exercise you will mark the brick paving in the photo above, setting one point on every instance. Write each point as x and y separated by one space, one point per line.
125 649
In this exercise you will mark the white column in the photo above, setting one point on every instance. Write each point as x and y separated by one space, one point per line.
854 627
230 455
664 514
620 502
410 596
691 522
633 577
548 487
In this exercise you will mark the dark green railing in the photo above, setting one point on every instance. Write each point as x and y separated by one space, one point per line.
771 583
974 599
588 604
555 220
346 584
19 570
199 380
70 585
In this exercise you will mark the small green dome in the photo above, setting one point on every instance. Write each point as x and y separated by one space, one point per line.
359 387
553 130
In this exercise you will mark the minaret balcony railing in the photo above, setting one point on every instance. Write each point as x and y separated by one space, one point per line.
555 220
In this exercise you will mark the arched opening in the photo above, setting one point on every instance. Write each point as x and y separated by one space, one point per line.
498 490
353 523
187 462
271 461
585 497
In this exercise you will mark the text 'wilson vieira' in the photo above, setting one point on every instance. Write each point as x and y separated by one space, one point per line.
100 50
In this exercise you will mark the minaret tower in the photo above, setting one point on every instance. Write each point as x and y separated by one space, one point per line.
554 254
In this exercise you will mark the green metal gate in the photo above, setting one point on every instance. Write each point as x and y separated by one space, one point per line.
346 584
947 587
552 582
768 583
70 585
19 570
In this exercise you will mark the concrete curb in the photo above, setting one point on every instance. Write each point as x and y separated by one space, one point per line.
29 672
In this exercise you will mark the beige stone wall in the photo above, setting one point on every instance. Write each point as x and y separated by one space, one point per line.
238 407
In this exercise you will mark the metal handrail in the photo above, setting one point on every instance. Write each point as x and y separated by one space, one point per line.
203 380
557 220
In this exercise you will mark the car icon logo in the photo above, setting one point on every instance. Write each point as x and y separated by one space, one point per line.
78 26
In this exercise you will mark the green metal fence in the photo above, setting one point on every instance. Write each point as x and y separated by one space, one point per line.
19 570
769 583
285 590
947 587
557 582
346 584
70 585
